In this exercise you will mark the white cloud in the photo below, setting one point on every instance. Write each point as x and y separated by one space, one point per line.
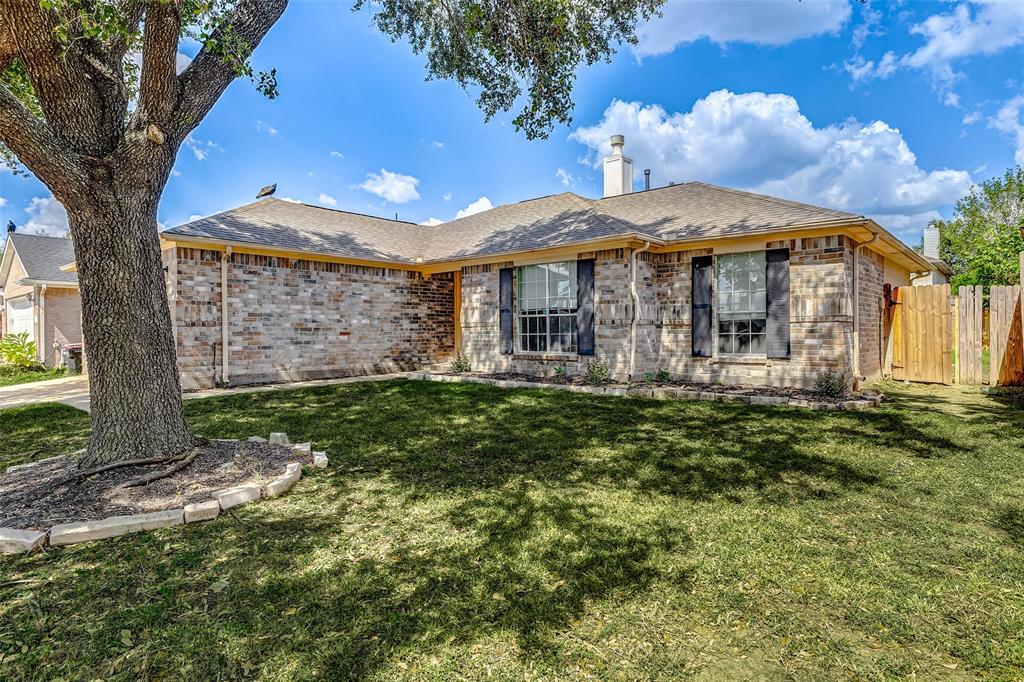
763 143
201 149
175 172
565 177
327 200
393 187
481 204
970 29
194 217
437 144
46 215
265 127
1008 120
447 196
870 20
744 21
3 202
478 206
861 69
336 154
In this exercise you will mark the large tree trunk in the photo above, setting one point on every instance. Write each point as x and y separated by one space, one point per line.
135 390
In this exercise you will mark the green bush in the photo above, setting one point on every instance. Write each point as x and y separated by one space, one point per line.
663 376
598 370
460 365
560 371
831 384
16 350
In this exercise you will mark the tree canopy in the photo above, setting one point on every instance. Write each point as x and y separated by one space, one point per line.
982 241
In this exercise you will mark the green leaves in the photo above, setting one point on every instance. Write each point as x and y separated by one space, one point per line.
510 49
982 241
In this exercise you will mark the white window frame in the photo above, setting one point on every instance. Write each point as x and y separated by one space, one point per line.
540 306
741 304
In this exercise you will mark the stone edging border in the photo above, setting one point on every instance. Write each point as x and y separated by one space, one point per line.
663 393
17 541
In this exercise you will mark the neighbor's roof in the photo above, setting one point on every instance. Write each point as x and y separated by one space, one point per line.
42 258
683 212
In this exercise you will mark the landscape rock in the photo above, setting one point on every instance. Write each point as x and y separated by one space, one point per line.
279 439
14 541
202 511
232 497
303 449
257 439
84 531
768 400
320 460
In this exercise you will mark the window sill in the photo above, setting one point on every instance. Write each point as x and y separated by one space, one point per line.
546 357
741 359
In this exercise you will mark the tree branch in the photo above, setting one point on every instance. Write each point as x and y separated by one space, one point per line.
35 145
158 84
210 73
78 111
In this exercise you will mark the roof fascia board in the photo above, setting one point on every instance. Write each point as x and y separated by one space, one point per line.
31 281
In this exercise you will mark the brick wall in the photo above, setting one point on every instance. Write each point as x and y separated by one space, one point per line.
303 319
871 335
821 311
63 321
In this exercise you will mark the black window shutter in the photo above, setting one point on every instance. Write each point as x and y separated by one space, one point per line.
585 305
505 309
703 276
777 278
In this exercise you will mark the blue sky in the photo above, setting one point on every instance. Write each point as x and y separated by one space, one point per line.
889 109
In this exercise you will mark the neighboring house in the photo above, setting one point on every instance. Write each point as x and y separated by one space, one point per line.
40 295
707 283
941 272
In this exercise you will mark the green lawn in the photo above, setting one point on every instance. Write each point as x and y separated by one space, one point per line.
10 376
465 531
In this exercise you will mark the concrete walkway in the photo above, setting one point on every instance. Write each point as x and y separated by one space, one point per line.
74 391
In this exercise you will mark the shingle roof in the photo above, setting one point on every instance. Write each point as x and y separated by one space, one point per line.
43 257
687 211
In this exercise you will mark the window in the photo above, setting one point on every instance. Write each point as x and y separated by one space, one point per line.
546 308
741 303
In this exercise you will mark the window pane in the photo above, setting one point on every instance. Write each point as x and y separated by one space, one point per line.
757 326
546 301
741 302
757 302
757 344
742 326
725 326
724 343
742 343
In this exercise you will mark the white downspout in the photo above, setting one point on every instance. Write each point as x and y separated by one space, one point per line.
856 303
636 307
225 324
42 324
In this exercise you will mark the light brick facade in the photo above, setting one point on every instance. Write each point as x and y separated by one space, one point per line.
821 317
304 319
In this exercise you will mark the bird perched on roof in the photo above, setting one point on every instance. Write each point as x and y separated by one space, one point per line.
267 191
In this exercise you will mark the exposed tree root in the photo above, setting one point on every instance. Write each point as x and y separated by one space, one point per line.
117 465
157 475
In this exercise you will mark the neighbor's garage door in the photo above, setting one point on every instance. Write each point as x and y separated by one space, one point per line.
19 317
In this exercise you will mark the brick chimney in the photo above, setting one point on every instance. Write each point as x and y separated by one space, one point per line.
618 170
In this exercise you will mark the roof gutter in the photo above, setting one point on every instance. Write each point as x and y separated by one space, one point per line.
31 281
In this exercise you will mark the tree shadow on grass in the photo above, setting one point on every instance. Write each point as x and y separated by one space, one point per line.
451 513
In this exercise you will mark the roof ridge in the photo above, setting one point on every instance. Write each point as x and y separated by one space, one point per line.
341 210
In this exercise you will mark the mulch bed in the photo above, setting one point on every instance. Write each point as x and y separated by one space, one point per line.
581 380
30 498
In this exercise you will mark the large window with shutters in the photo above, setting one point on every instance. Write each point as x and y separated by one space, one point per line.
742 303
546 303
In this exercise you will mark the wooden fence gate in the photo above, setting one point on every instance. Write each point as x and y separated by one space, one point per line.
922 331
928 326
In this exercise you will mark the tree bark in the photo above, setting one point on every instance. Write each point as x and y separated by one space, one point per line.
135 391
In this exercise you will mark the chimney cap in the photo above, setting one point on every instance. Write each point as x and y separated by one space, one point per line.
617 142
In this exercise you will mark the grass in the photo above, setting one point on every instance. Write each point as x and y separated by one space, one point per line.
10 375
464 531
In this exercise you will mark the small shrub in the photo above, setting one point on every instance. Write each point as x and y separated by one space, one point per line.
16 350
560 371
663 377
831 384
598 370
649 377
460 365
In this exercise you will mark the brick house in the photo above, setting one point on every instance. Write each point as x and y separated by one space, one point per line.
39 294
707 283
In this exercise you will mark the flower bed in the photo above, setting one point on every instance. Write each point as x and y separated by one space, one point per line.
753 395
43 503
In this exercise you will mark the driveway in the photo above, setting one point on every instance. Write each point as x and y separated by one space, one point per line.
74 391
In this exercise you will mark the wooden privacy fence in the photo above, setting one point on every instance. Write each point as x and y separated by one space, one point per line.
929 328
